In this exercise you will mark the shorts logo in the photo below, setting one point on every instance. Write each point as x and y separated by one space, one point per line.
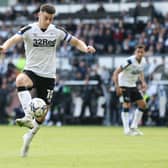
44 43
49 94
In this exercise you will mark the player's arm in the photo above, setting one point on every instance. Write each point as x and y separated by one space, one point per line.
80 45
115 79
10 42
142 79
116 73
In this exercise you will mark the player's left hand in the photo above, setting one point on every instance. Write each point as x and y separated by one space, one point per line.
91 49
144 86
2 49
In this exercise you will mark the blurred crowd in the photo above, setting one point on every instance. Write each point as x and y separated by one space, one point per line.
75 1
111 37
58 1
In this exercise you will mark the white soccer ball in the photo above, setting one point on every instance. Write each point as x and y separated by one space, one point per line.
38 107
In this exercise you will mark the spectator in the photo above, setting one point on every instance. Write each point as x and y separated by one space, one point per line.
3 100
87 99
83 10
101 8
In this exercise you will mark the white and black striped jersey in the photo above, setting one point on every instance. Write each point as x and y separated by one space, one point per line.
131 70
40 48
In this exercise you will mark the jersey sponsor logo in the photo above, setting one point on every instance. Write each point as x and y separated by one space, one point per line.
135 72
43 43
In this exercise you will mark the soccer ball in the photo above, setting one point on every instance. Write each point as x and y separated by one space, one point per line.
38 107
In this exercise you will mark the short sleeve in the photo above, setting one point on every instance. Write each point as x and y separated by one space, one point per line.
64 35
126 64
23 30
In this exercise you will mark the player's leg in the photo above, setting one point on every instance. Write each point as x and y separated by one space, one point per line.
125 117
44 91
27 138
24 85
125 110
142 107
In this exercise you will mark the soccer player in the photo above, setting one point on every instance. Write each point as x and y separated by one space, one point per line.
125 78
40 41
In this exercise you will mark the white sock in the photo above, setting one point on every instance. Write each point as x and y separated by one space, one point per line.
32 132
25 98
125 121
137 118
36 127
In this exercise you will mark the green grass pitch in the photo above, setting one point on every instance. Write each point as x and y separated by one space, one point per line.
85 147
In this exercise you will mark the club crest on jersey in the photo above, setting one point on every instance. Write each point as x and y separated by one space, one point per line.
43 43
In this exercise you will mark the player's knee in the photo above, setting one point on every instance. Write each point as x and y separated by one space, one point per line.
126 105
23 80
143 107
19 81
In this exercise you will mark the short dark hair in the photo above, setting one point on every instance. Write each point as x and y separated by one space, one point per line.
140 46
49 8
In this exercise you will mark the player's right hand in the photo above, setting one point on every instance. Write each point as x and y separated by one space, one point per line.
119 91
1 49
91 49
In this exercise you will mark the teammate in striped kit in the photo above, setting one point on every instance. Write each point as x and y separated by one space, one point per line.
40 39
125 78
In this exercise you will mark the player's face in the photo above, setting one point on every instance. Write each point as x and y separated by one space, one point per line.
45 19
140 52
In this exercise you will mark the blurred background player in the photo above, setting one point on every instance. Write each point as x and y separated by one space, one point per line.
40 40
125 78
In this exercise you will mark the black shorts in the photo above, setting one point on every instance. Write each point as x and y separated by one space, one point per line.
44 86
131 94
